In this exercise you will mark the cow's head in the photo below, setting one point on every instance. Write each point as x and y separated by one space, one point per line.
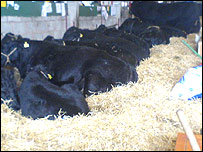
10 53
15 52
73 34
5 46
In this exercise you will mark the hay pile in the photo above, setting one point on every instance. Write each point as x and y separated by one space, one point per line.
130 117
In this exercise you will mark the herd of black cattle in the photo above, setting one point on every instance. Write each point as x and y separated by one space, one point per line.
60 73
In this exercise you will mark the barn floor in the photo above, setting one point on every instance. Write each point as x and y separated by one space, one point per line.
130 117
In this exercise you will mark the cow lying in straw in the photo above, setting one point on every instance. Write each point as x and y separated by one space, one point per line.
152 34
69 64
40 98
119 47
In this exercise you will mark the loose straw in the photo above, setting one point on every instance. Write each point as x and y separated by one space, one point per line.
188 131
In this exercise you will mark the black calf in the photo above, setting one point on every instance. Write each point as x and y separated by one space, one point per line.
113 32
40 98
153 35
115 46
68 64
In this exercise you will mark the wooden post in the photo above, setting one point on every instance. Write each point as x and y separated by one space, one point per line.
188 130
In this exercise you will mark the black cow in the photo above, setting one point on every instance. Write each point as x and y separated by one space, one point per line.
153 35
115 46
113 32
156 35
69 64
173 32
9 88
80 61
182 15
11 56
9 37
40 98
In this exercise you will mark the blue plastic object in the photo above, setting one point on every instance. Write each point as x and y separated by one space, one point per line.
189 86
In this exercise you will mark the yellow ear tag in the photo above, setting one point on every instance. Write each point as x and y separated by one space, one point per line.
49 75
26 45
81 35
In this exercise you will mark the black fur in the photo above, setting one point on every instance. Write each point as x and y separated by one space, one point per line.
40 98
9 88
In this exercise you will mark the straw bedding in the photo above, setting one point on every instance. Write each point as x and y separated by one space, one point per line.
129 117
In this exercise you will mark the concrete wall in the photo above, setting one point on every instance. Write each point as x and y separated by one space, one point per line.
39 27
34 27
94 21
